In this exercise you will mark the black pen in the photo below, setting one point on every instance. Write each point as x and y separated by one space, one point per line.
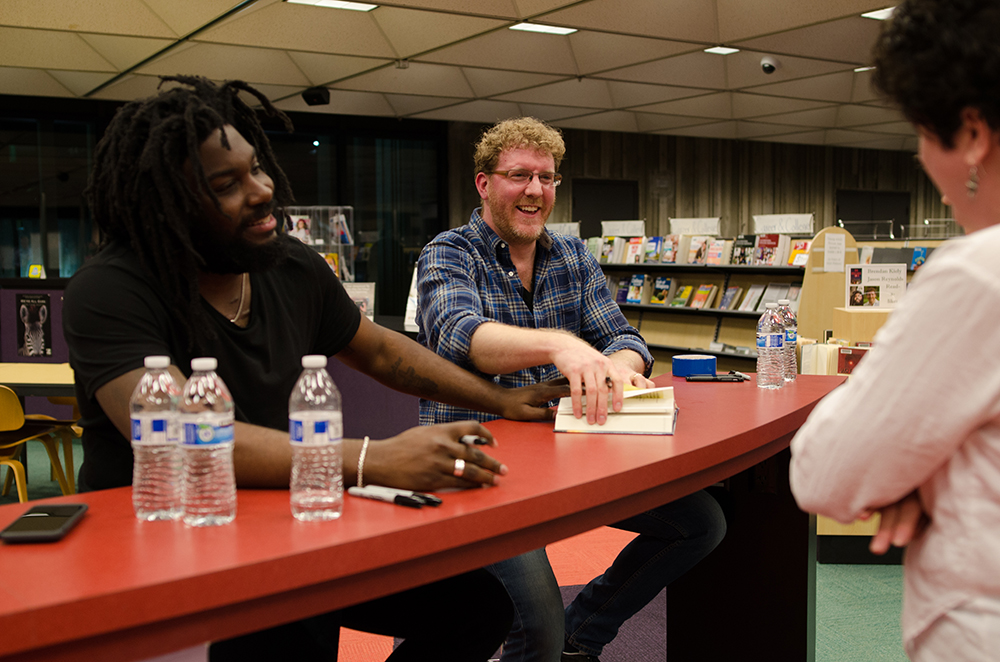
368 493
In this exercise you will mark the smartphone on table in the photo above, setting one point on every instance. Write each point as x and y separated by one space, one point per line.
44 523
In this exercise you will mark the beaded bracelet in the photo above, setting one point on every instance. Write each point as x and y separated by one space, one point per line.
361 462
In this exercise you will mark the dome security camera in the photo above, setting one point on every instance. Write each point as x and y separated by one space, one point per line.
769 64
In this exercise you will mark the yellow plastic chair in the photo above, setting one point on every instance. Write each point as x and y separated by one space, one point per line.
16 429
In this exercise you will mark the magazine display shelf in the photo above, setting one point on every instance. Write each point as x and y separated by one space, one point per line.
680 330
326 236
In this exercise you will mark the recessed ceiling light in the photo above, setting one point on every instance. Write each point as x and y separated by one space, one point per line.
721 50
336 4
538 27
881 14
860 69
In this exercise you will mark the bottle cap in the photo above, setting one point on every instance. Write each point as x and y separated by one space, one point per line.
766 305
313 361
783 302
156 362
204 364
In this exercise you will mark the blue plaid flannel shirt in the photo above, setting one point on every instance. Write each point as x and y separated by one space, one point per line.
466 277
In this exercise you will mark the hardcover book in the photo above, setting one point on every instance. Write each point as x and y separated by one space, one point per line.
644 411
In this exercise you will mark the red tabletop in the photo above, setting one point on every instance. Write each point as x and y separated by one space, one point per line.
120 589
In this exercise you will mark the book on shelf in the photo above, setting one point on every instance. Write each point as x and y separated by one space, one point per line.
607 248
638 290
865 254
920 255
663 291
893 255
668 252
683 251
697 251
743 249
682 296
594 246
753 295
720 251
798 253
644 411
363 296
771 250
704 296
773 293
340 230
635 250
848 359
654 248
618 250
794 291
730 298
621 290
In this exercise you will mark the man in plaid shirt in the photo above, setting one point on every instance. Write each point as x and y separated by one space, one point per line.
507 300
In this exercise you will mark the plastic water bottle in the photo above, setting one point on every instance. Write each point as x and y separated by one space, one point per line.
206 418
791 324
315 431
770 349
156 470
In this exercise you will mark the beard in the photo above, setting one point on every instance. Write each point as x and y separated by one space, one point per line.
233 253
507 229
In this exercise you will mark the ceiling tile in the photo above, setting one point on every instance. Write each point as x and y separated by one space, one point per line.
832 87
817 117
125 52
405 104
411 32
688 20
739 19
626 95
746 129
500 8
845 40
482 111
600 51
757 105
40 49
80 82
342 102
850 115
36 82
304 28
807 138
128 17
510 49
489 82
321 68
418 78
701 70
615 120
715 106
128 87
863 89
844 136
587 92
901 128
649 122
185 16
895 144
218 62
529 8
554 113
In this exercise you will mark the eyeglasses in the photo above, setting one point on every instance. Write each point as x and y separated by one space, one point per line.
546 179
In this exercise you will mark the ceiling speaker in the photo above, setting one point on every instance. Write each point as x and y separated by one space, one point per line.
316 96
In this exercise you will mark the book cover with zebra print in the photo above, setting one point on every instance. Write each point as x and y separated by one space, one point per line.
34 329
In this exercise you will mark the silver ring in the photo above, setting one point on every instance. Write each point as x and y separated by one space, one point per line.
459 468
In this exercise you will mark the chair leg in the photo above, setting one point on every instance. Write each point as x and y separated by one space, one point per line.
67 443
17 471
53 450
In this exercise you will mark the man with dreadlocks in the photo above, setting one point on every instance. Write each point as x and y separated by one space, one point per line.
194 263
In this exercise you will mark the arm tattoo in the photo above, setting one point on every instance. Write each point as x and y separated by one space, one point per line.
409 379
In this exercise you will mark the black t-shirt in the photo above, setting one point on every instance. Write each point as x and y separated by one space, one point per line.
114 316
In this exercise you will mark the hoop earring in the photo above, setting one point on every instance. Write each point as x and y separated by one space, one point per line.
972 185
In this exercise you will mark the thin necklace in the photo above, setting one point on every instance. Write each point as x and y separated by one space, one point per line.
243 287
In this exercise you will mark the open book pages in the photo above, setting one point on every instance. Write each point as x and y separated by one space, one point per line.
644 411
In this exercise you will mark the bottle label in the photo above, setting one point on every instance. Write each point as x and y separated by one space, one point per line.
155 431
770 340
790 335
206 434
316 432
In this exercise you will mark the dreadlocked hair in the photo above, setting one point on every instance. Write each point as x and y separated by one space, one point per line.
139 194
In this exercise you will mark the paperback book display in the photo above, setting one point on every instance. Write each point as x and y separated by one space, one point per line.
777 250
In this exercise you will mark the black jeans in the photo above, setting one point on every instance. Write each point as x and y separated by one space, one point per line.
459 619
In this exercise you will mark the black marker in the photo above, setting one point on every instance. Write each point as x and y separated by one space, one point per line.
368 492
473 440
